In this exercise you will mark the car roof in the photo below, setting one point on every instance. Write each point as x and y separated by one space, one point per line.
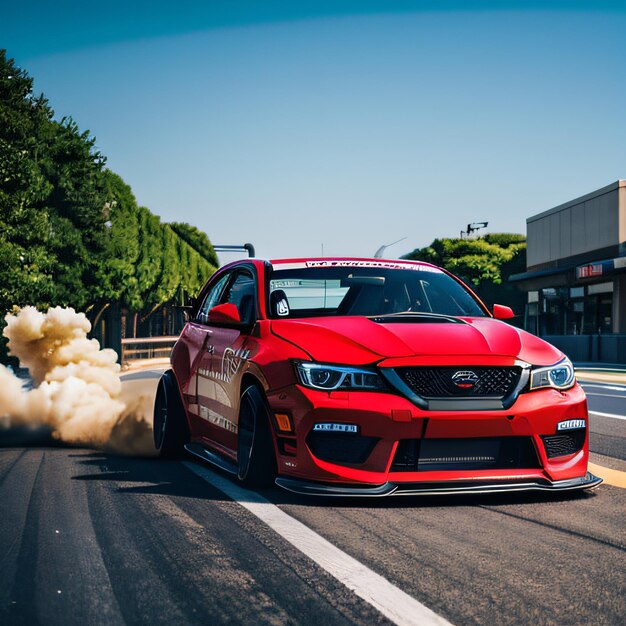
310 262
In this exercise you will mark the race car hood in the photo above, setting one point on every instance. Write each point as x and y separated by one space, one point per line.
361 340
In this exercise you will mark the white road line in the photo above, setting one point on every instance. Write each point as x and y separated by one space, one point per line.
607 387
613 415
605 395
393 603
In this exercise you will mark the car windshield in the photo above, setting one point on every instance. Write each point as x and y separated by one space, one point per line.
371 291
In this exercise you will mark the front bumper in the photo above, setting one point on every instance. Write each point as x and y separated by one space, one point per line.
389 419
588 481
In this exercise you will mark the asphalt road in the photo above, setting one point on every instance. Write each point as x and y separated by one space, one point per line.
608 434
91 538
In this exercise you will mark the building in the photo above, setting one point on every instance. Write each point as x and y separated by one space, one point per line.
576 275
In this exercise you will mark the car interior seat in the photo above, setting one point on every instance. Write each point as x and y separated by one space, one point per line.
363 300
246 312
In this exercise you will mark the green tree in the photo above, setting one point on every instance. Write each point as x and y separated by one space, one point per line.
147 262
71 232
197 239
24 263
50 199
485 264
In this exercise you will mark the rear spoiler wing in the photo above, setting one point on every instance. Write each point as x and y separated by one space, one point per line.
246 247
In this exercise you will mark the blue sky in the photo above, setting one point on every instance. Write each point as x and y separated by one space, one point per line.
293 125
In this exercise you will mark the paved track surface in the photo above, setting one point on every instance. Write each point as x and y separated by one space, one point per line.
608 434
91 538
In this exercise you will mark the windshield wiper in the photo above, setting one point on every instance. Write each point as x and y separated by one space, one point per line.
415 317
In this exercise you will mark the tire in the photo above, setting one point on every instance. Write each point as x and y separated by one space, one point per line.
256 456
169 423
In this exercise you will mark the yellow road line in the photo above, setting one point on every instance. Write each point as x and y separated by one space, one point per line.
601 378
610 476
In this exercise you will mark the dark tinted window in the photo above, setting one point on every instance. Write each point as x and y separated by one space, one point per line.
212 298
241 293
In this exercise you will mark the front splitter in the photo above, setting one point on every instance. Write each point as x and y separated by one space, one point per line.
589 481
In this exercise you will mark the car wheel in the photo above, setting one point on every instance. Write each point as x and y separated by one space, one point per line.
170 428
256 457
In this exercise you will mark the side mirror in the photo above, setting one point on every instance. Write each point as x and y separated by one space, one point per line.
501 312
224 314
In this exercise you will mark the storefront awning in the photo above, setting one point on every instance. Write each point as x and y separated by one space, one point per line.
552 271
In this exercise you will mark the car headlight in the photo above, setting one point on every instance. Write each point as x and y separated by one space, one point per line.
558 376
337 377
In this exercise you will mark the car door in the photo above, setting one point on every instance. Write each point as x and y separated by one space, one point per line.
227 350
197 340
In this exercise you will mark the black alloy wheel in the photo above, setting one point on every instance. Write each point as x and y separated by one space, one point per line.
256 457
170 428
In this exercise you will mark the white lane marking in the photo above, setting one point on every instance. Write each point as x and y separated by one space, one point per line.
605 395
607 387
393 603
612 415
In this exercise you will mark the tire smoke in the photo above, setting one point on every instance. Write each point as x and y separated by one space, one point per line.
77 390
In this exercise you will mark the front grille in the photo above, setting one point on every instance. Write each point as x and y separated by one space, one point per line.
340 447
421 455
471 382
564 444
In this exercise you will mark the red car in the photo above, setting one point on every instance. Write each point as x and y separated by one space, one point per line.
369 377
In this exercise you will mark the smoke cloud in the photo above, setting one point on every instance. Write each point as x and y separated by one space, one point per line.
77 390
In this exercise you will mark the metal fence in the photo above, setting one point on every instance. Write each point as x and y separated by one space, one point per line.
142 348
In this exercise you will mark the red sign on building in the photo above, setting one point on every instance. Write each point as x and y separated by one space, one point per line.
589 271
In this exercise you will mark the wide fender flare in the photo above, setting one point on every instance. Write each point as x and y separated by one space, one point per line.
173 378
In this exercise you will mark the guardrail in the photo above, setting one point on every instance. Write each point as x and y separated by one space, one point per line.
142 348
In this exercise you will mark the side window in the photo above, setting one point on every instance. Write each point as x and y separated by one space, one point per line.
241 293
212 298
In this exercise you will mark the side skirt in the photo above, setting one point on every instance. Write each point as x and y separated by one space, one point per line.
215 459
